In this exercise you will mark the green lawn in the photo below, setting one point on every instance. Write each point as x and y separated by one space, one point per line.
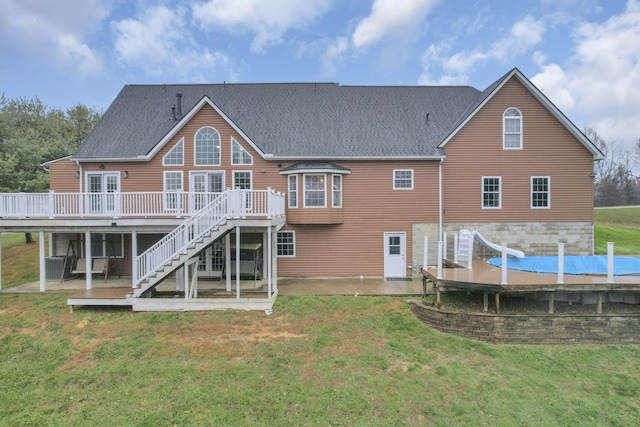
355 361
618 225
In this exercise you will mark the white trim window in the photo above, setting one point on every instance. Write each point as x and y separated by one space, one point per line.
107 245
403 179
293 191
175 156
242 181
206 147
491 192
315 191
173 190
540 192
512 129
239 156
336 195
286 244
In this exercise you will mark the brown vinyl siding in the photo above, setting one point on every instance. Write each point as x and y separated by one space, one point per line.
370 207
548 150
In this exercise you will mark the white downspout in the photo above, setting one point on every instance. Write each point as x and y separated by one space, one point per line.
440 200
80 174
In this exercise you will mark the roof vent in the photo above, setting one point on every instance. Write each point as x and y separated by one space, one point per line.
179 112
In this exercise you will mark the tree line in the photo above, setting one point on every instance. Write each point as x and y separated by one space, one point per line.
617 177
31 134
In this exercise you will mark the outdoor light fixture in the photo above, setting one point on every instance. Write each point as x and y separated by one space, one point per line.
77 174
126 174
101 166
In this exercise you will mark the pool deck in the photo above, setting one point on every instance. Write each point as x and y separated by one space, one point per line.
485 277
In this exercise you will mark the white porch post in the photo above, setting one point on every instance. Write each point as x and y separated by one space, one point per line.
238 262
89 259
0 261
182 279
43 270
274 260
227 260
134 255
269 261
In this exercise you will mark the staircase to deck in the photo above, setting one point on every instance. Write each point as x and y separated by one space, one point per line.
187 240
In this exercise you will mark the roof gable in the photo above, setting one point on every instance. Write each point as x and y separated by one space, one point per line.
494 88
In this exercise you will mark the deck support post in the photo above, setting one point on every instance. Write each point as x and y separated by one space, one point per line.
560 263
237 261
497 303
425 256
269 261
504 264
437 295
455 248
439 259
43 270
470 255
444 245
227 260
134 256
551 302
609 262
486 301
599 302
89 257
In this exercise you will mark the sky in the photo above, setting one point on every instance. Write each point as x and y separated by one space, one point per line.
584 55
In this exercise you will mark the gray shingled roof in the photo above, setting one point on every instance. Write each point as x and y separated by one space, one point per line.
290 120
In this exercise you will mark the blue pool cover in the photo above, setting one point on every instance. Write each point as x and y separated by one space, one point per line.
572 264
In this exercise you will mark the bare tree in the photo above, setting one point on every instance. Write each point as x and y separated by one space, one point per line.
615 180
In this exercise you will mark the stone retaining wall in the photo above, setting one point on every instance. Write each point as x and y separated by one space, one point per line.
534 328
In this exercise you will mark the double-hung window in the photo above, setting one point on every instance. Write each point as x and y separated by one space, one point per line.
540 192
512 129
315 191
293 191
403 179
491 192
286 244
337 191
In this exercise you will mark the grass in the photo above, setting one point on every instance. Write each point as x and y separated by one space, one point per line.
315 361
20 262
618 225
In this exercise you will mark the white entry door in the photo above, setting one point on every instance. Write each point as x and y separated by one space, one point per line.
395 251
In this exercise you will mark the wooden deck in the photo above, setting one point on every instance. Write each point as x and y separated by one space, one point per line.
485 277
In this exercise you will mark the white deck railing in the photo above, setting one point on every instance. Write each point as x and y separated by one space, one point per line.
127 205
227 205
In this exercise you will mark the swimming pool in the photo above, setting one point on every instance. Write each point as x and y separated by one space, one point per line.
572 264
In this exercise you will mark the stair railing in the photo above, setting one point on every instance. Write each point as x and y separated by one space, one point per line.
179 239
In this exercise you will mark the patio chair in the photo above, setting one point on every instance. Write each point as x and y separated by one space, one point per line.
100 266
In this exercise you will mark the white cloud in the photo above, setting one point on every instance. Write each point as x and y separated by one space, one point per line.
333 54
391 18
602 78
159 43
523 35
267 20
53 31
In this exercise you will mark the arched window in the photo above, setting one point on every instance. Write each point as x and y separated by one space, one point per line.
512 129
207 147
